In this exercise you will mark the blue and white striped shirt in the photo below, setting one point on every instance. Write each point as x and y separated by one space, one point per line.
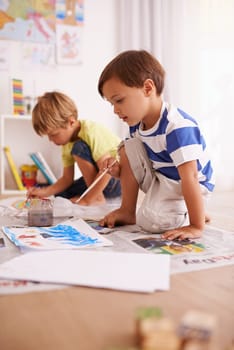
175 139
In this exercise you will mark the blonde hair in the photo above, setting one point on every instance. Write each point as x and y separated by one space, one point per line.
52 111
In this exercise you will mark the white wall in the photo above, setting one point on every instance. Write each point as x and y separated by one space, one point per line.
79 81
194 41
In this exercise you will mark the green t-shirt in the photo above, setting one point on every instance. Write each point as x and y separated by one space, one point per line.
100 140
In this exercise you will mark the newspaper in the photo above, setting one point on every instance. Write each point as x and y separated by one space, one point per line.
214 249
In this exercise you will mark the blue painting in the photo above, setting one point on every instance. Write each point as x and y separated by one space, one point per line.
67 235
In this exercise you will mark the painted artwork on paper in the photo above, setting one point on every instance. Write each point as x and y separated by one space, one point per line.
70 12
70 234
68 44
69 31
37 55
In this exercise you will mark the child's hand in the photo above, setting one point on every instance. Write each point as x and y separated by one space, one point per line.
114 170
37 192
118 217
182 233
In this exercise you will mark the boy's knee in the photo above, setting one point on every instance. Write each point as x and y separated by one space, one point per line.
80 149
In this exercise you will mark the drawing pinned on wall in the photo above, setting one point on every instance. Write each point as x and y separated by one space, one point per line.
69 30
70 12
37 55
68 48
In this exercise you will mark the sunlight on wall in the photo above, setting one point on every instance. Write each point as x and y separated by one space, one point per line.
217 85
200 71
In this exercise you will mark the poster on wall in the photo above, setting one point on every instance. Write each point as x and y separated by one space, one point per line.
28 20
69 29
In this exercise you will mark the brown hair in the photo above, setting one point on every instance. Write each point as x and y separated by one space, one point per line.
133 68
52 111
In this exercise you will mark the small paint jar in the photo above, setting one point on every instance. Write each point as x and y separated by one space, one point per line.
40 212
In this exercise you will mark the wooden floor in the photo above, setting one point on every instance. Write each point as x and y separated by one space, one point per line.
221 209
98 319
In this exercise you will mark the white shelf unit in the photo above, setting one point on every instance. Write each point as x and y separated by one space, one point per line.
17 133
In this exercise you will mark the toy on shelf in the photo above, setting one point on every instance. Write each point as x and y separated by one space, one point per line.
14 169
18 98
29 175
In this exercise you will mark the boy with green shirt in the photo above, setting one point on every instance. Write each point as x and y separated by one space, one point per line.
84 142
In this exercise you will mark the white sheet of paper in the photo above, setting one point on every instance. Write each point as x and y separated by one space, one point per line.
136 272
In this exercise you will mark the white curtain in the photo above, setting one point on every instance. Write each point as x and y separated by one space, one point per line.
194 41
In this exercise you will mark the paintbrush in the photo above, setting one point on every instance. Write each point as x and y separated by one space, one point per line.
96 181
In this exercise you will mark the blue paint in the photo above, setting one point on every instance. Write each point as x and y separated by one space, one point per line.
63 234
67 235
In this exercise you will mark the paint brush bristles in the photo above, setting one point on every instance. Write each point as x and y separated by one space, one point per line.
105 171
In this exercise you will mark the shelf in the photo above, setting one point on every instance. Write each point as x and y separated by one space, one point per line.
18 117
13 192
17 133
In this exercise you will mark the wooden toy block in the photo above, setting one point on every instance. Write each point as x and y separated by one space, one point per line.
196 330
155 332
197 325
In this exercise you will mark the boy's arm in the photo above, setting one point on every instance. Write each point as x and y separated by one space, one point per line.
60 185
194 202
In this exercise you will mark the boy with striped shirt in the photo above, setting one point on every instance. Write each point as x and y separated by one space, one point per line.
165 154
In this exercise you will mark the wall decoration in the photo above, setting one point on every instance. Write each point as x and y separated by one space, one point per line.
48 23
28 20
37 55
70 12
68 44
69 23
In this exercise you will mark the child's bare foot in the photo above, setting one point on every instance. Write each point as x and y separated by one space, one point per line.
94 201
118 217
